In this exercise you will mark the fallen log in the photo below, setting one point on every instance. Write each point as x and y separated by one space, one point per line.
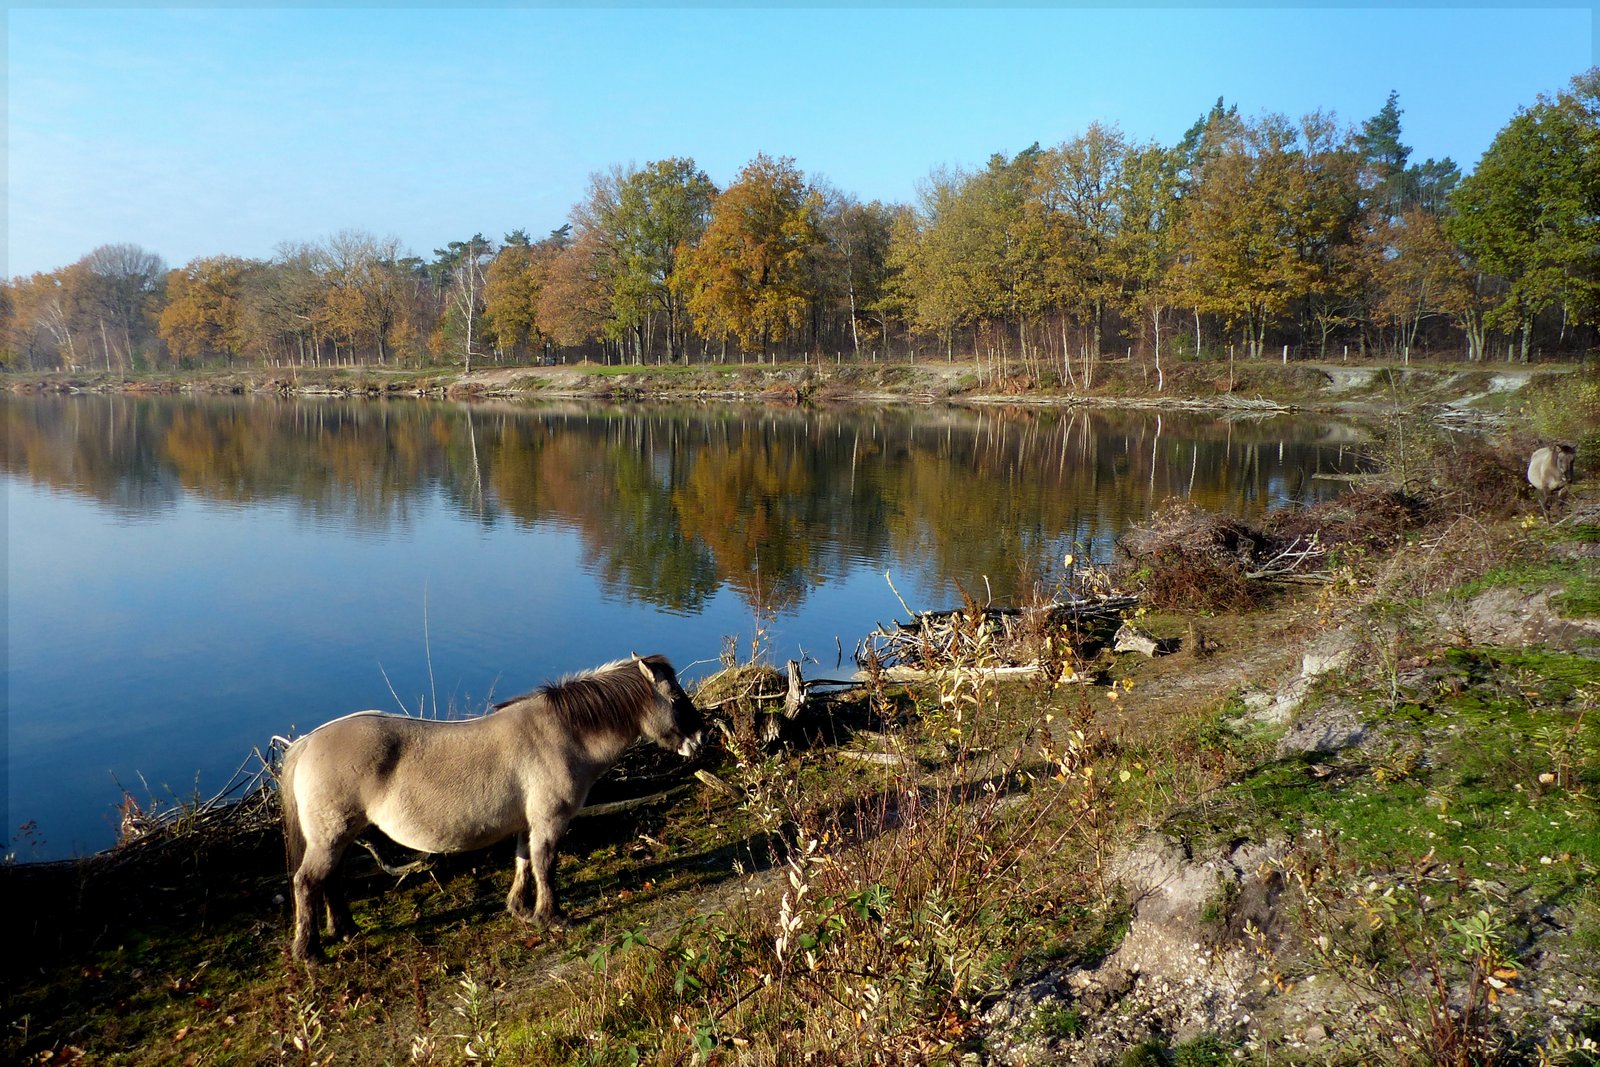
617 807
887 759
921 674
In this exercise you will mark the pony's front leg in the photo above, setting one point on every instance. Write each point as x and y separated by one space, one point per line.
543 848
520 901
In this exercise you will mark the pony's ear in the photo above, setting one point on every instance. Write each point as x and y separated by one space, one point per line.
644 668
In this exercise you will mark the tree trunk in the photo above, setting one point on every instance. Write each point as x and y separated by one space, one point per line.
1472 326
1095 349
1066 354
855 335
1155 329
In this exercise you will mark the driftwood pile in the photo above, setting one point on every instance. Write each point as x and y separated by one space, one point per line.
161 846
998 638
146 832
1181 531
1184 558
1369 516
1292 545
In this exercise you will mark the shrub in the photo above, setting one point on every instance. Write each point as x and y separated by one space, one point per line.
1371 517
1563 408
1187 559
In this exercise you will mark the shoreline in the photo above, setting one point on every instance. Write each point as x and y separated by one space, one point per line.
1451 390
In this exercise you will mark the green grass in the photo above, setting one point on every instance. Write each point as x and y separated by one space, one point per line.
1580 589
1455 774
1580 599
1056 1021
1207 1050
1582 533
615 370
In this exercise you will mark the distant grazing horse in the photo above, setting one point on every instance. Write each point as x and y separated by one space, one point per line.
1550 472
451 786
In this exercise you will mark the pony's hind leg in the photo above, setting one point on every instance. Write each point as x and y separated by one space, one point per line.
341 924
307 944
310 898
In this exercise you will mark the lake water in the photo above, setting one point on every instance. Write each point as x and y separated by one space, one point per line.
187 578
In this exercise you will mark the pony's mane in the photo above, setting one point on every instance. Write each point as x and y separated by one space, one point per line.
604 699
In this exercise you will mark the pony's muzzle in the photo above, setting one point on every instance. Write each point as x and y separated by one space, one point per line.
691 745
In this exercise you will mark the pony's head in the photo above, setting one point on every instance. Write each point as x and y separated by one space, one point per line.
675 724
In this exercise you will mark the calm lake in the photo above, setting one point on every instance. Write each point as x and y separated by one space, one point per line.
187 578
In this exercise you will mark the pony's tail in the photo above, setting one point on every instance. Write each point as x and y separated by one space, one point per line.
294 838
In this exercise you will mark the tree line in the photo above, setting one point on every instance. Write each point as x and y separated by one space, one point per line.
1249 237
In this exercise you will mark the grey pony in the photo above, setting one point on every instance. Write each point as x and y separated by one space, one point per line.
1550 472
451 786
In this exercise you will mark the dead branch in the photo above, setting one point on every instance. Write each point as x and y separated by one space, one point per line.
1288 562
617 807
718 784
423 863
887 759
921 674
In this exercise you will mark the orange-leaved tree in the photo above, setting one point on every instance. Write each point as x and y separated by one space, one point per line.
204 315
748 277
513 285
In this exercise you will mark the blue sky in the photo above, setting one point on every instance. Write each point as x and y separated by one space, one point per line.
204 131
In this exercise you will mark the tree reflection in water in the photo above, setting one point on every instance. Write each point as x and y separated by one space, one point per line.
190 577
673 503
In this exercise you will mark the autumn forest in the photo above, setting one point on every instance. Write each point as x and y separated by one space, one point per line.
1249 237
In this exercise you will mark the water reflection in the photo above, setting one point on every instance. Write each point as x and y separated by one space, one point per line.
188 578
674 503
